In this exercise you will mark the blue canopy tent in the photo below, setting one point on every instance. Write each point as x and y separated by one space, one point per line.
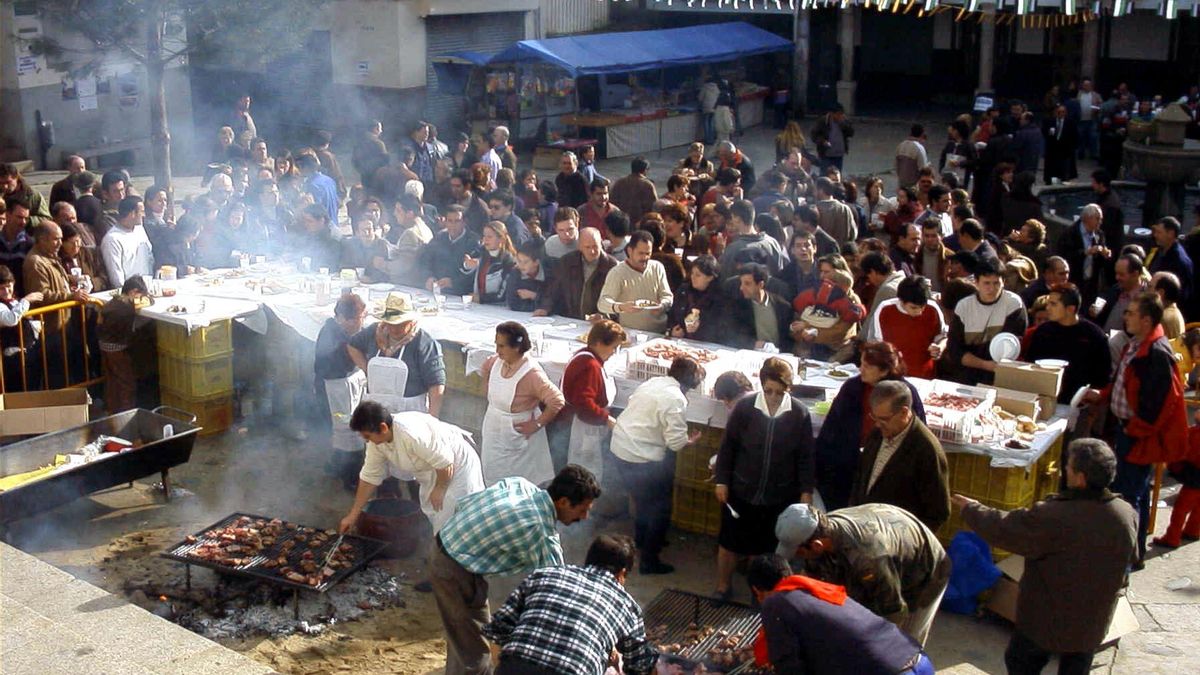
454 70
646 50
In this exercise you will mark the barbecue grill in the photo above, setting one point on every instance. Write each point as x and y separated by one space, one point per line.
676 610
364 550
155 452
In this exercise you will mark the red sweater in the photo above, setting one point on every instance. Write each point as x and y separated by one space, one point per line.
911 336
583 387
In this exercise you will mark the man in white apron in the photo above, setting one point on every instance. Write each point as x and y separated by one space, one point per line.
438 454
506 451
404 365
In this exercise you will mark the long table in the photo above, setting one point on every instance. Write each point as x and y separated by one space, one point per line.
277 301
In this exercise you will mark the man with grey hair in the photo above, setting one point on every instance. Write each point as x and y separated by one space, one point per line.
504 151
902 463
1085 248
1077 546
572 186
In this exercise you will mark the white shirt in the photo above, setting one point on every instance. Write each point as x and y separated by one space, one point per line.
418 448
785 406
555 249
652 423
492 159
127 253
913 149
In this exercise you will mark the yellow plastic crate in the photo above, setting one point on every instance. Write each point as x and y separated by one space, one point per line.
197 378
213 413
691 463
215 339
694 507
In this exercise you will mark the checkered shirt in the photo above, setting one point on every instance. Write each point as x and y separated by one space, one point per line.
505 529
1119 402
569 619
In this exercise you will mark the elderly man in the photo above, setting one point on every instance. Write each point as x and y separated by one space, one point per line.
579 276
1146 400
572 186
126 248
1056 273
1082 344
1108 310
1084 245
442 257
508 158
1168 255
811 627
886 558
570 619
977 319
637 290
1077 545
732 158
403 363
902 462
64 190
43 273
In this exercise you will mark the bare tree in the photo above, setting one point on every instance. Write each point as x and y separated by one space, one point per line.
152 33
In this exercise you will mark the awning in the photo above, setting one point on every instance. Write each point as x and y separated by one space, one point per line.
646 50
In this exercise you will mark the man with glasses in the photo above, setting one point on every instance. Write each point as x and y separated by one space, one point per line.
500 207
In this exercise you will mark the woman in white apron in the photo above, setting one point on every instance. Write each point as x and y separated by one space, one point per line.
514 429
438 454
388 374
589 391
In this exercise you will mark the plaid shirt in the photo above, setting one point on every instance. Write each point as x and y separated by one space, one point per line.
505 529
569 619
1119 402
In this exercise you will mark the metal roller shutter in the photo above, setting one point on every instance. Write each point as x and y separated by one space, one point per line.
486 33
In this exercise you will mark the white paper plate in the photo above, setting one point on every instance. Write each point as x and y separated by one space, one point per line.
1142 231
541 320
1051 363
1004 347
381 287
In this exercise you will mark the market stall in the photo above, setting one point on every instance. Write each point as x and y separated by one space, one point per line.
1000 457
631 92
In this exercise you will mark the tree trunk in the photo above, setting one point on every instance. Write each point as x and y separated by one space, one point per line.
160 133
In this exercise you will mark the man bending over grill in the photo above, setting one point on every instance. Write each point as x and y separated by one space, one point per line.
570 619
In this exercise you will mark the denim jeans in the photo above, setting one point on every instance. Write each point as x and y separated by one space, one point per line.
1089 140
650 484
1133 484
710 128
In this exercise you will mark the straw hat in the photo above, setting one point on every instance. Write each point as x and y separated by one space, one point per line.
398 308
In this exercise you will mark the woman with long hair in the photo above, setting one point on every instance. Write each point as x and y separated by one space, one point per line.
792 137
489 267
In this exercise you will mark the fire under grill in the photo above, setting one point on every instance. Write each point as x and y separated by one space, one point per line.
704 630
293 546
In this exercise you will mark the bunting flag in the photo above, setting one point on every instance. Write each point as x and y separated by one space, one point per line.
1003 12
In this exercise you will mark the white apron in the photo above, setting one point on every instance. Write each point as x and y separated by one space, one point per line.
505 451
387 378
344 395
467 479
587 440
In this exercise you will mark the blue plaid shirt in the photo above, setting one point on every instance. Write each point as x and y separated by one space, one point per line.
505 529
569 619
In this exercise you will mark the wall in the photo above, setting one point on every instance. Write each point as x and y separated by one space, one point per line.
378 44
444 7
563 17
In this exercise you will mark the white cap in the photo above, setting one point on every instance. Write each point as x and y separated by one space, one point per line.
794 527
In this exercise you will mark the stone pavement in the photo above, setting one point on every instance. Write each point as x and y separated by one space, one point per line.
52 623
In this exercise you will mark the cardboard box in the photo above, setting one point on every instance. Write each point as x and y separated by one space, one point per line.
1017 402
1003 601
1047 404
42 412
1027 377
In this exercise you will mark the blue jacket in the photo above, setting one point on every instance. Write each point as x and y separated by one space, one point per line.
1176 261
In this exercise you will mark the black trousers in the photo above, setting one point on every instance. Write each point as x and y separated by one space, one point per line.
1023 657
512 665
650 484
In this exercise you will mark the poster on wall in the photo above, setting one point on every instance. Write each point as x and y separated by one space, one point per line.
27 26
86 90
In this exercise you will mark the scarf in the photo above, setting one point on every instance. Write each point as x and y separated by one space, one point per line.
821 590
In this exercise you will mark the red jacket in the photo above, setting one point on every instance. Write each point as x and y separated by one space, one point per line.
583 388
1155 394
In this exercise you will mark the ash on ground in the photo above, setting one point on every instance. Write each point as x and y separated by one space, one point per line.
239 608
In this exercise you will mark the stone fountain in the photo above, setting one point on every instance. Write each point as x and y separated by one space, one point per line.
1166 161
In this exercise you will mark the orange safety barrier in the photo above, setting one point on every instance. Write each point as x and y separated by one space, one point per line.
40 355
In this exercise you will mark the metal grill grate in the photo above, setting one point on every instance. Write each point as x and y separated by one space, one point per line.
676 610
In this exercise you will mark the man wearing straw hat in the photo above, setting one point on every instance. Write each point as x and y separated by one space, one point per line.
403 363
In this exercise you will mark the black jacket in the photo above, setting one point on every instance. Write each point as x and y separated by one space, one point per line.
566 295
767 460
713 304
742 332
442 258
1070 247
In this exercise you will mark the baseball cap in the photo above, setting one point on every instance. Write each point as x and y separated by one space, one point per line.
794 527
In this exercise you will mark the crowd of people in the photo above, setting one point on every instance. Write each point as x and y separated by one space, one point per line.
789 256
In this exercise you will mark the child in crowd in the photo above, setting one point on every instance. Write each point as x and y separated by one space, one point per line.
526 281
11 311
115 331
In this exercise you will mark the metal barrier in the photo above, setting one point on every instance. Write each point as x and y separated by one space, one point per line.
67 313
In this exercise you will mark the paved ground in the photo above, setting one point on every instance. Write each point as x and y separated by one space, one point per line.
260 472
